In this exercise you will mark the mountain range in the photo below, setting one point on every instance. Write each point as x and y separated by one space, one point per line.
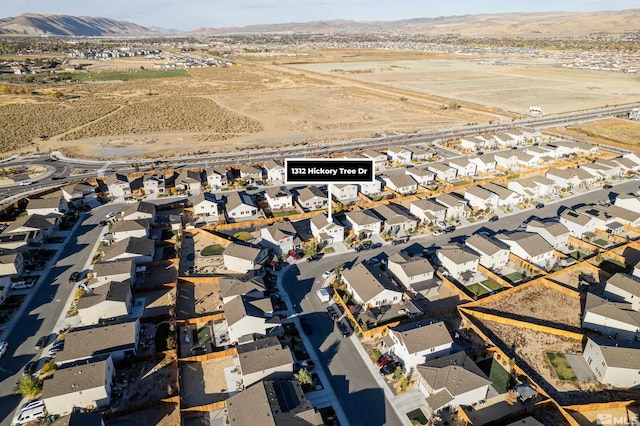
529 25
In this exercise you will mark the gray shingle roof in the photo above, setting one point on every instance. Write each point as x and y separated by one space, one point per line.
424 337
86 342
619 353
140 207
117 267
35 221
308 193
457 373
625 282
74 379
530 242
458 255
130 225
485 244
263 354
363 217
367 281
133 245
411 266
237 198
113 291
243 251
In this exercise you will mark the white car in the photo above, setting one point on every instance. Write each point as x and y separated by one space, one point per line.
26 183
3 348
327 274
111 214
32 404
437 233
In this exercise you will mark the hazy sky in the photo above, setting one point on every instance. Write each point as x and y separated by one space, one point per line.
193 14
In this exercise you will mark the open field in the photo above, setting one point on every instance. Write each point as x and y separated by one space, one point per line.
128 75
611 131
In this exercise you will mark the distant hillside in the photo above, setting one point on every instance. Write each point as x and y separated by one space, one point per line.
548 24
32 24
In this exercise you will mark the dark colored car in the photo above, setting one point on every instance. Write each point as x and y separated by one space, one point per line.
198 350
344 329
539 206
74 277
314 258
389 368
306 326
41 343
494 219
449 229
30 368
376 246
607 186
333 314
384 360
402 240
103 223
59 345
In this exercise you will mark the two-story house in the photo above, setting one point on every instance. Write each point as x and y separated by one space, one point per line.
326 232
364 222
279 198
312 198
240 206
494 254
370 287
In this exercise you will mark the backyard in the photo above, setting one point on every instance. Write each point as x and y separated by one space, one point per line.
561 366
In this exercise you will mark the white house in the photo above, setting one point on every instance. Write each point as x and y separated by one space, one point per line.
140 210
409 270
524 159
428 210
130 228
555 233
402 184
140 250
240 206
577 223
472 143
379 158
570 176
251 173
47 206
481 198
506 197
344 192
458 260
443 172
243 257
532 187
418 153
189 181
248 317
264 359
421 176
280 237
484 163
395 219
615 363
451 381
275 171
623 288
494 254
118 185
399 154
279 198
154 184
312 198
11 262
417 344
119 270
364 222
515 134
216 178
105 301
463 166
370 287
530 247
506 160
205 206
628 201
81 386
372 188
614 319
505 140
456 206
325 231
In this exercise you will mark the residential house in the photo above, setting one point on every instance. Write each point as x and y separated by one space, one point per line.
370 189
79 193
33 223
480 198
463 166
494 254
414 273
130 228
379 158
628 201
600 170
418 154
265 403
451 381
140 250
249 317
280 237
264 359
279 198
253 287
456 206
626 164
529 246
575 147
577 223
312 198
275 171
506 159
623 288
532 187
47 206
614 363
11 262
611 215
250 174
421 176
555 233
364 222
443 172
344 192
530 134
504 140
118 185
326 232
484 163
216 178
460 262
189 181
542 153
80 386
394 218
140 210
119 270
205 206
370 287
524 159
240 206
428 210
399 154
118 339
105 301
516 135
22 241
472 143
243 257
613 319
506 197
417 344
570 177
154 184
402 184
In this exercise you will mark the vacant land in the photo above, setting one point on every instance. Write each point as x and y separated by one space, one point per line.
129 75
611 131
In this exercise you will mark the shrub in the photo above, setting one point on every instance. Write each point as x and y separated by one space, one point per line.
212 250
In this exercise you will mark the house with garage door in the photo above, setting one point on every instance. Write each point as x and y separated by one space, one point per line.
423 177
443 171
402 184
463 166
364 222
484 163
312 198
428 210
415 344
494 254
205 206
279 198
614 319
242 257
240 206
326 232
370 287
555 233
531 247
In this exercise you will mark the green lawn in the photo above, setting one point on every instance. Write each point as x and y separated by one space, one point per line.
460 183
477 289
600 242
212 250
496 373
204 334
284 213
129 75
491 284
417 417
561 366
243 236
578 255
514 277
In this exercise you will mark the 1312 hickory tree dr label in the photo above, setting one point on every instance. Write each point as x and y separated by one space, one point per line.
315 170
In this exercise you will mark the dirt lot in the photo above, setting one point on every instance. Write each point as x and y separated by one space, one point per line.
158 302
162 415
571 277
144 382
612 131
204 383
198 299
158 275
538 304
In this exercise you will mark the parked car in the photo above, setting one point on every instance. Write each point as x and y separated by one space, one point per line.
3 348
333 314
345 330
494 219
32 404
402 240
384 360
198 350
389 368
30 415
21 285
74 277
314 258
42 342
437 233
376 246
607 186
449 229
59 345
306 326
30 368
103 223
540 206
327 274
111 214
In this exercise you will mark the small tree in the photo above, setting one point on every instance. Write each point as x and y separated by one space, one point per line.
303 377
171 342
49 366
30 387
311 249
